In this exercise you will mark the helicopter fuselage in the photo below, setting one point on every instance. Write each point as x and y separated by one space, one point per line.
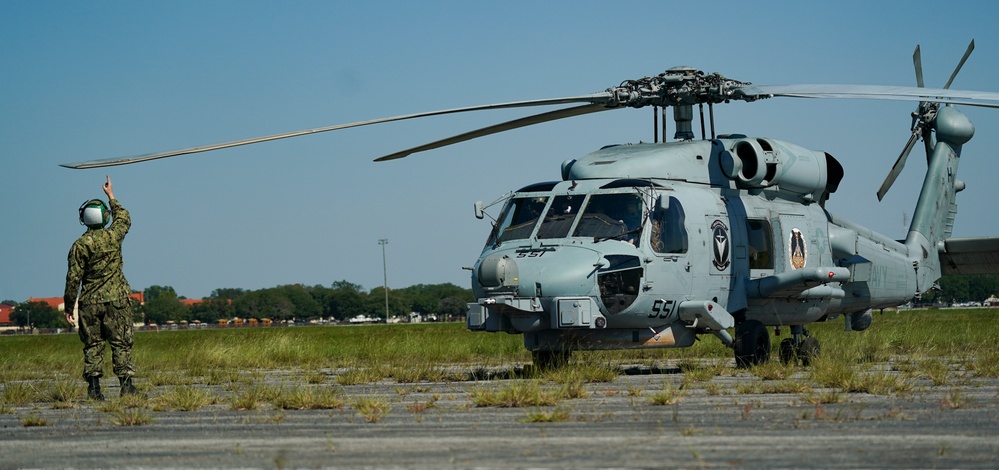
649 245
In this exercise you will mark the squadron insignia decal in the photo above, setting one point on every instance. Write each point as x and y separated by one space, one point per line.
797 250
720 245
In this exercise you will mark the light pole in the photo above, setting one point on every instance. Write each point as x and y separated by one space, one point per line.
383 242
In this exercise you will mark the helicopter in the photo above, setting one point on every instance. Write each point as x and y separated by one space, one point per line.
652 245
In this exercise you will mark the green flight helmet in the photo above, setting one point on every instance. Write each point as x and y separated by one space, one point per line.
94 214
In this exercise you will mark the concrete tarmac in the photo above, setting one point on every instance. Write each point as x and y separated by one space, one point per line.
739 421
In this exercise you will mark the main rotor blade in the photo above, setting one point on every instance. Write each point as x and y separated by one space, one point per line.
960 64
917 62
896 169
596 98
497 128
875 92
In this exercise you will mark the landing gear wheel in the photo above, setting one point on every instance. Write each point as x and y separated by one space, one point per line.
752 344
799 347
808 350
548 360
787 350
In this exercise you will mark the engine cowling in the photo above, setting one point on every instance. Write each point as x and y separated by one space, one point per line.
756 163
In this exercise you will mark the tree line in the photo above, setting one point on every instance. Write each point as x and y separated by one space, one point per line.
344 300
953 289
340 301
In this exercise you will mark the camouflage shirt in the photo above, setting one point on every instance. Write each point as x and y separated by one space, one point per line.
95 262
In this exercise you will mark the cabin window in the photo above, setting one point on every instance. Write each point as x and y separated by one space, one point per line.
760 244
560 216
612 216
669 234
519 218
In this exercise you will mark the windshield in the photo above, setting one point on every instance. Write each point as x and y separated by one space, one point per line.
519 219
604 216
560 216
612 216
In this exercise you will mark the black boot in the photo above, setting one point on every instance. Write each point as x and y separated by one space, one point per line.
94 388
126 386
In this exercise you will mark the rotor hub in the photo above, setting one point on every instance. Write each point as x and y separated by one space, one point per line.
677 86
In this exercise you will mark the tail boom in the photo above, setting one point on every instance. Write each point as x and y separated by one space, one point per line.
933 218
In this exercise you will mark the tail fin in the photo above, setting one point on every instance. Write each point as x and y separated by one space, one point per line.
933 219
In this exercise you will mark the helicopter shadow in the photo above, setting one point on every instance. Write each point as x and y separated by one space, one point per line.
529 371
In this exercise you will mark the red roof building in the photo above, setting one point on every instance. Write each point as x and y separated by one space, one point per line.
58 304
5 311
54 302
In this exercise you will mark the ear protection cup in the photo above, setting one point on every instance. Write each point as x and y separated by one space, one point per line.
94 213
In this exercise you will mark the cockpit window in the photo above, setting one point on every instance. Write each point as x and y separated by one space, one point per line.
617 216
560 216
668 232
519 219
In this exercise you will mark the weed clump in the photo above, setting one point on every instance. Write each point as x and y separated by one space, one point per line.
516 394
131 417
371 409
184 398
309 398
669 395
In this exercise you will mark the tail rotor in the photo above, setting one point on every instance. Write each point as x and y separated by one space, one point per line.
922 119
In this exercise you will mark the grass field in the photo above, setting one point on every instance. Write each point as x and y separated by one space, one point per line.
943 346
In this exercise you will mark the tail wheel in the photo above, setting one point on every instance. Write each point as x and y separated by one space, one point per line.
752 343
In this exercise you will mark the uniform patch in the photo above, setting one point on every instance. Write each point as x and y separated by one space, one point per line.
797 249
720 246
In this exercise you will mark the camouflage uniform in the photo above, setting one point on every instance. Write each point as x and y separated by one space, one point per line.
105 314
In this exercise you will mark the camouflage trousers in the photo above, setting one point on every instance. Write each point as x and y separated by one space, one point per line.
109 322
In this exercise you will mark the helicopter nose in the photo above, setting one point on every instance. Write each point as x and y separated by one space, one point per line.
498 271
549 272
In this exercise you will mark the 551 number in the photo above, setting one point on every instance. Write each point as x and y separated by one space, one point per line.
662 308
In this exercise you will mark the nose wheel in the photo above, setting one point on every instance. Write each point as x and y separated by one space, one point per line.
799 347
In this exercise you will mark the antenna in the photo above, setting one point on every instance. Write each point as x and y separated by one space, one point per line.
383 242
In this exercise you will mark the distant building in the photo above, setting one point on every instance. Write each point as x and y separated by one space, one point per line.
58 304
5 311
54 302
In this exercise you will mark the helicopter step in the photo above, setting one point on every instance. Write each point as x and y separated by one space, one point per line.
709 316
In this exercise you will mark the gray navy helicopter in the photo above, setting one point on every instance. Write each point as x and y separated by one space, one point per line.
651 245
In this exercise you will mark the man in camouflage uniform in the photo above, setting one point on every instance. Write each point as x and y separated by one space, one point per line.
105 314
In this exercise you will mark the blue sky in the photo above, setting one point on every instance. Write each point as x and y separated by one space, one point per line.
90 80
